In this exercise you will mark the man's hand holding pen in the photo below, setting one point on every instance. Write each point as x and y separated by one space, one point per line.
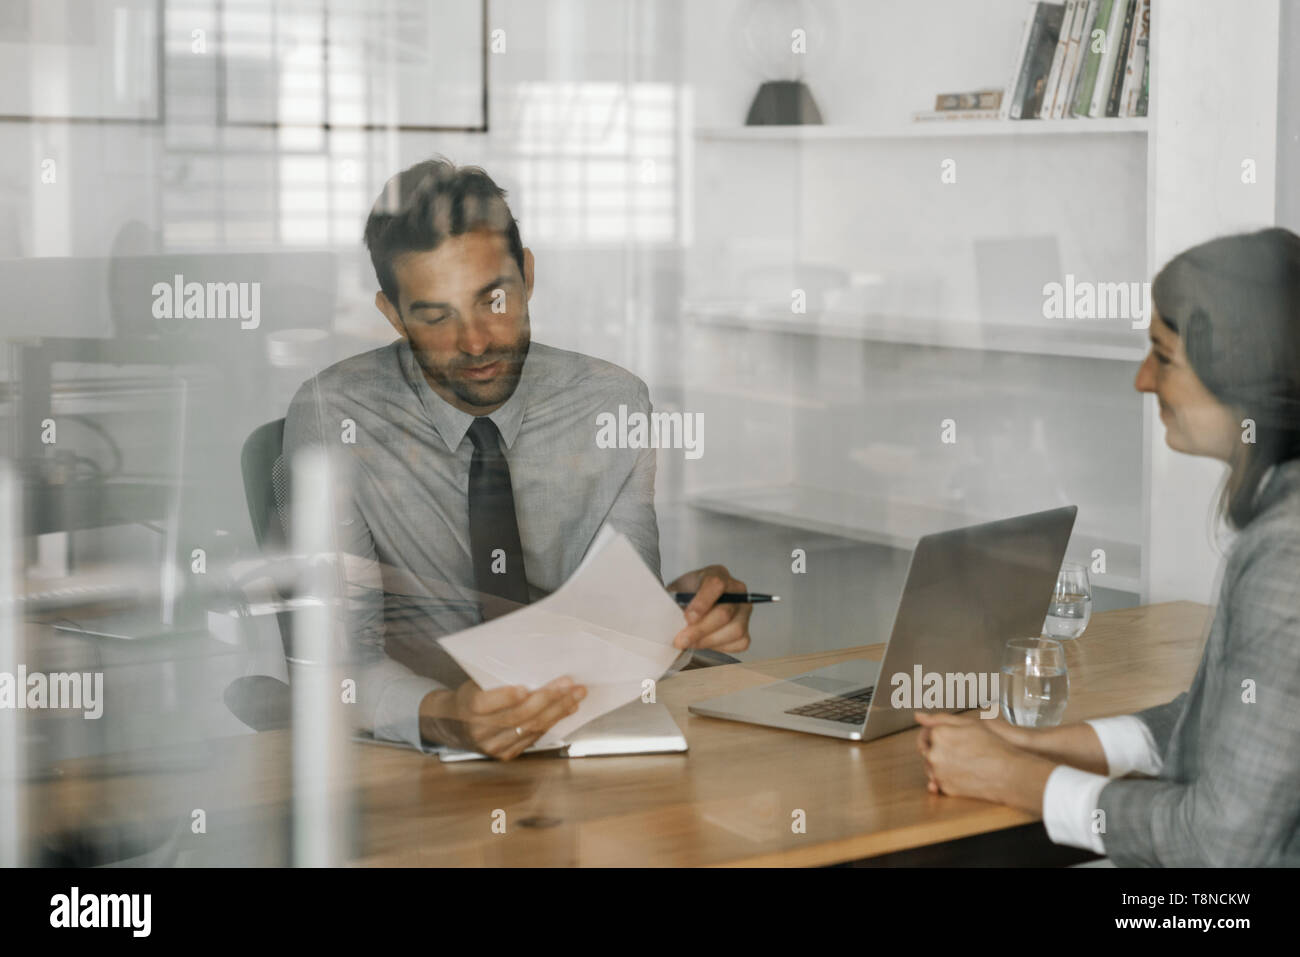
711 623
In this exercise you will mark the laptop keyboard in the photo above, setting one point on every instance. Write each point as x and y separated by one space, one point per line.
847 709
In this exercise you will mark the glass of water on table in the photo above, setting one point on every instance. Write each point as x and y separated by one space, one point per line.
1071 606
1035 682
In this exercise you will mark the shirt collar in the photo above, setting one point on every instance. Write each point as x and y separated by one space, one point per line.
1277 482
450 422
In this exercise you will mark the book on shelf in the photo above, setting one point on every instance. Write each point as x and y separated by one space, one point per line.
1121 60
1014 80
1095 51
1074 59
1036 64
1141 109
1078 58
1110 53
1058 61
1135 68
976 100
926 116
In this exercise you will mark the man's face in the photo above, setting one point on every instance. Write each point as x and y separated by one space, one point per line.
464 308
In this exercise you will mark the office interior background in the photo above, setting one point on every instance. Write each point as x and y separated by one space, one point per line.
245 140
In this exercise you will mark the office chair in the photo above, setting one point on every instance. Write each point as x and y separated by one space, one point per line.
261 465
260 701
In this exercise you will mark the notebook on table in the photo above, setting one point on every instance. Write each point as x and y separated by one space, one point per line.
635 728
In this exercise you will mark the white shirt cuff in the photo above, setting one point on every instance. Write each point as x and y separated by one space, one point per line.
1070 805
397 717
1129 746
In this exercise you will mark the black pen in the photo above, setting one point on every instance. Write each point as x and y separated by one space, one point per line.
728 598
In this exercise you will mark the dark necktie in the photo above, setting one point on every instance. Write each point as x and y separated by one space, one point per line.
493 528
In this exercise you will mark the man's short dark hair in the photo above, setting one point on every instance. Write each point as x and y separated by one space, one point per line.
423 205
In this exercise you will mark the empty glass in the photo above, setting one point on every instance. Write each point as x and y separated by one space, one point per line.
1071 606
1035 682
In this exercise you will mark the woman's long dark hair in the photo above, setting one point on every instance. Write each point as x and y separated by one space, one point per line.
1235 301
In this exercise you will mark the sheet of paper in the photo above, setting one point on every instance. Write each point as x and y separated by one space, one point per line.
610 627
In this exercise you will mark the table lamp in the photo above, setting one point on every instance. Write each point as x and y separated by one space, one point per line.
776 39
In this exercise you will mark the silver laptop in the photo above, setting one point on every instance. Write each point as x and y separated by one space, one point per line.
968 592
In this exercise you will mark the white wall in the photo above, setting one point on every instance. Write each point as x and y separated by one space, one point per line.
1206 123
1288 116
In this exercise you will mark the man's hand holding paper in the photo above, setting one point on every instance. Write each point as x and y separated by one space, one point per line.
607 630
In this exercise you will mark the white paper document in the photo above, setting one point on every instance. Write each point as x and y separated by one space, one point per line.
610 627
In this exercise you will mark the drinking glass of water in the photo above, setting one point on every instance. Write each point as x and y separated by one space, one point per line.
1071 607
1035 682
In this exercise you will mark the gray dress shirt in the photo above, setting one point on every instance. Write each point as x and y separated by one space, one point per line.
1228 793
402 456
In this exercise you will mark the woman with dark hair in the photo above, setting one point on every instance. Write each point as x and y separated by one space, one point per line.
1223 758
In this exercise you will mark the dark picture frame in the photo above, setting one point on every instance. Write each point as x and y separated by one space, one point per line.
229 114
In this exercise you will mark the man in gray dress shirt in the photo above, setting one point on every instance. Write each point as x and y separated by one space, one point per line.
403 423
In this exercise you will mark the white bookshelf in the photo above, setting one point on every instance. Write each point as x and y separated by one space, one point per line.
924 129
899 523
1171 180
1038 339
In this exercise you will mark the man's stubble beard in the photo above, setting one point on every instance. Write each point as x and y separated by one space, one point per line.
501 389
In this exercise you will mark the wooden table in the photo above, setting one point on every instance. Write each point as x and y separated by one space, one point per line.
730 800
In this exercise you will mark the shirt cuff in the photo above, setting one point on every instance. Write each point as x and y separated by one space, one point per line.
1070 805
397 717
1128 745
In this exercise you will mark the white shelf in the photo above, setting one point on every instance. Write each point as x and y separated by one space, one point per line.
929 129
786 400
899 524
1072 338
